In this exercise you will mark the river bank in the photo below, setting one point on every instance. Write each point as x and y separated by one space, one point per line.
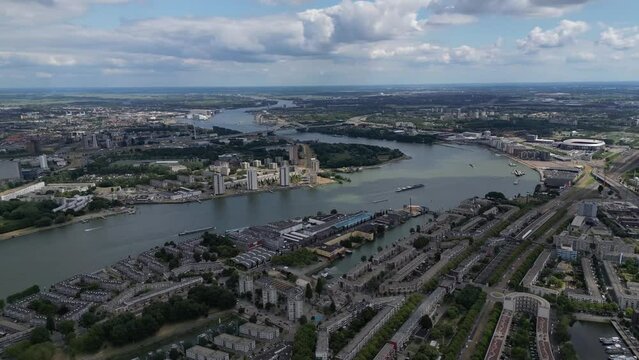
321 181
78 219
35 258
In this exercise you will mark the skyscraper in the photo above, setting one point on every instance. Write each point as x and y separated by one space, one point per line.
94 141
285 176
315 165
251 179
218 184
314 168
33 146
293 154
44 165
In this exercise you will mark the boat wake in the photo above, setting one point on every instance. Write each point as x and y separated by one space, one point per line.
91 229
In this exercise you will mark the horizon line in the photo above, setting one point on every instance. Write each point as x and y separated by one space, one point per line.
538 83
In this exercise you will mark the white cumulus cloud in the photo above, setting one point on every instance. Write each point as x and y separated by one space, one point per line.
565 33
621 38
511 7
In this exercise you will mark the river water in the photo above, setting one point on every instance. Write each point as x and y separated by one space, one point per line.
585 339
49 256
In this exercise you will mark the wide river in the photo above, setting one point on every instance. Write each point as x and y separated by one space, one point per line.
49 256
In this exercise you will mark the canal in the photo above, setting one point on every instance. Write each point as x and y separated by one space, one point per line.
585 339
49 256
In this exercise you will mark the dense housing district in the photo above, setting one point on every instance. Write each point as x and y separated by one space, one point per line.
495 277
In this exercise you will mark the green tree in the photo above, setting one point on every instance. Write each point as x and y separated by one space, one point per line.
304 343
495 195
309 291
425 322
39 335
421 242
66 327
426 352
519 353
319 287
50 323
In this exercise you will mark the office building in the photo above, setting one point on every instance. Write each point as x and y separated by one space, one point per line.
285 176
293 154
9 171
42 159
259 332
588 209
218 184
198 352
33 147
314 165
86 141
234 343
245 284
251 179
295 303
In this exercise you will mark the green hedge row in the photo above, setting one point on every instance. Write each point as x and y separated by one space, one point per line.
521 271
487 334
451 352
370 350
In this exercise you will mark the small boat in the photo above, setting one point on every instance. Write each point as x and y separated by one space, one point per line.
379 201
411 187
349 252
518 172
609 341
471 165
511 164
516 182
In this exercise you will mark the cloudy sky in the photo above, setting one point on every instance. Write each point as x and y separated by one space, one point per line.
71 43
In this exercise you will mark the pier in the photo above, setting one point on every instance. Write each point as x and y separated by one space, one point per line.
627 337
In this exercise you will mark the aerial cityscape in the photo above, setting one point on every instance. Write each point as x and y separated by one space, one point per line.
319 180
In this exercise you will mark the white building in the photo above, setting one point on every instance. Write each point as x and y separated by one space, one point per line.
251 179
21 191
218 184
245 284
42 159
234 343
198 352
295 303
260 332
315 165
285 176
